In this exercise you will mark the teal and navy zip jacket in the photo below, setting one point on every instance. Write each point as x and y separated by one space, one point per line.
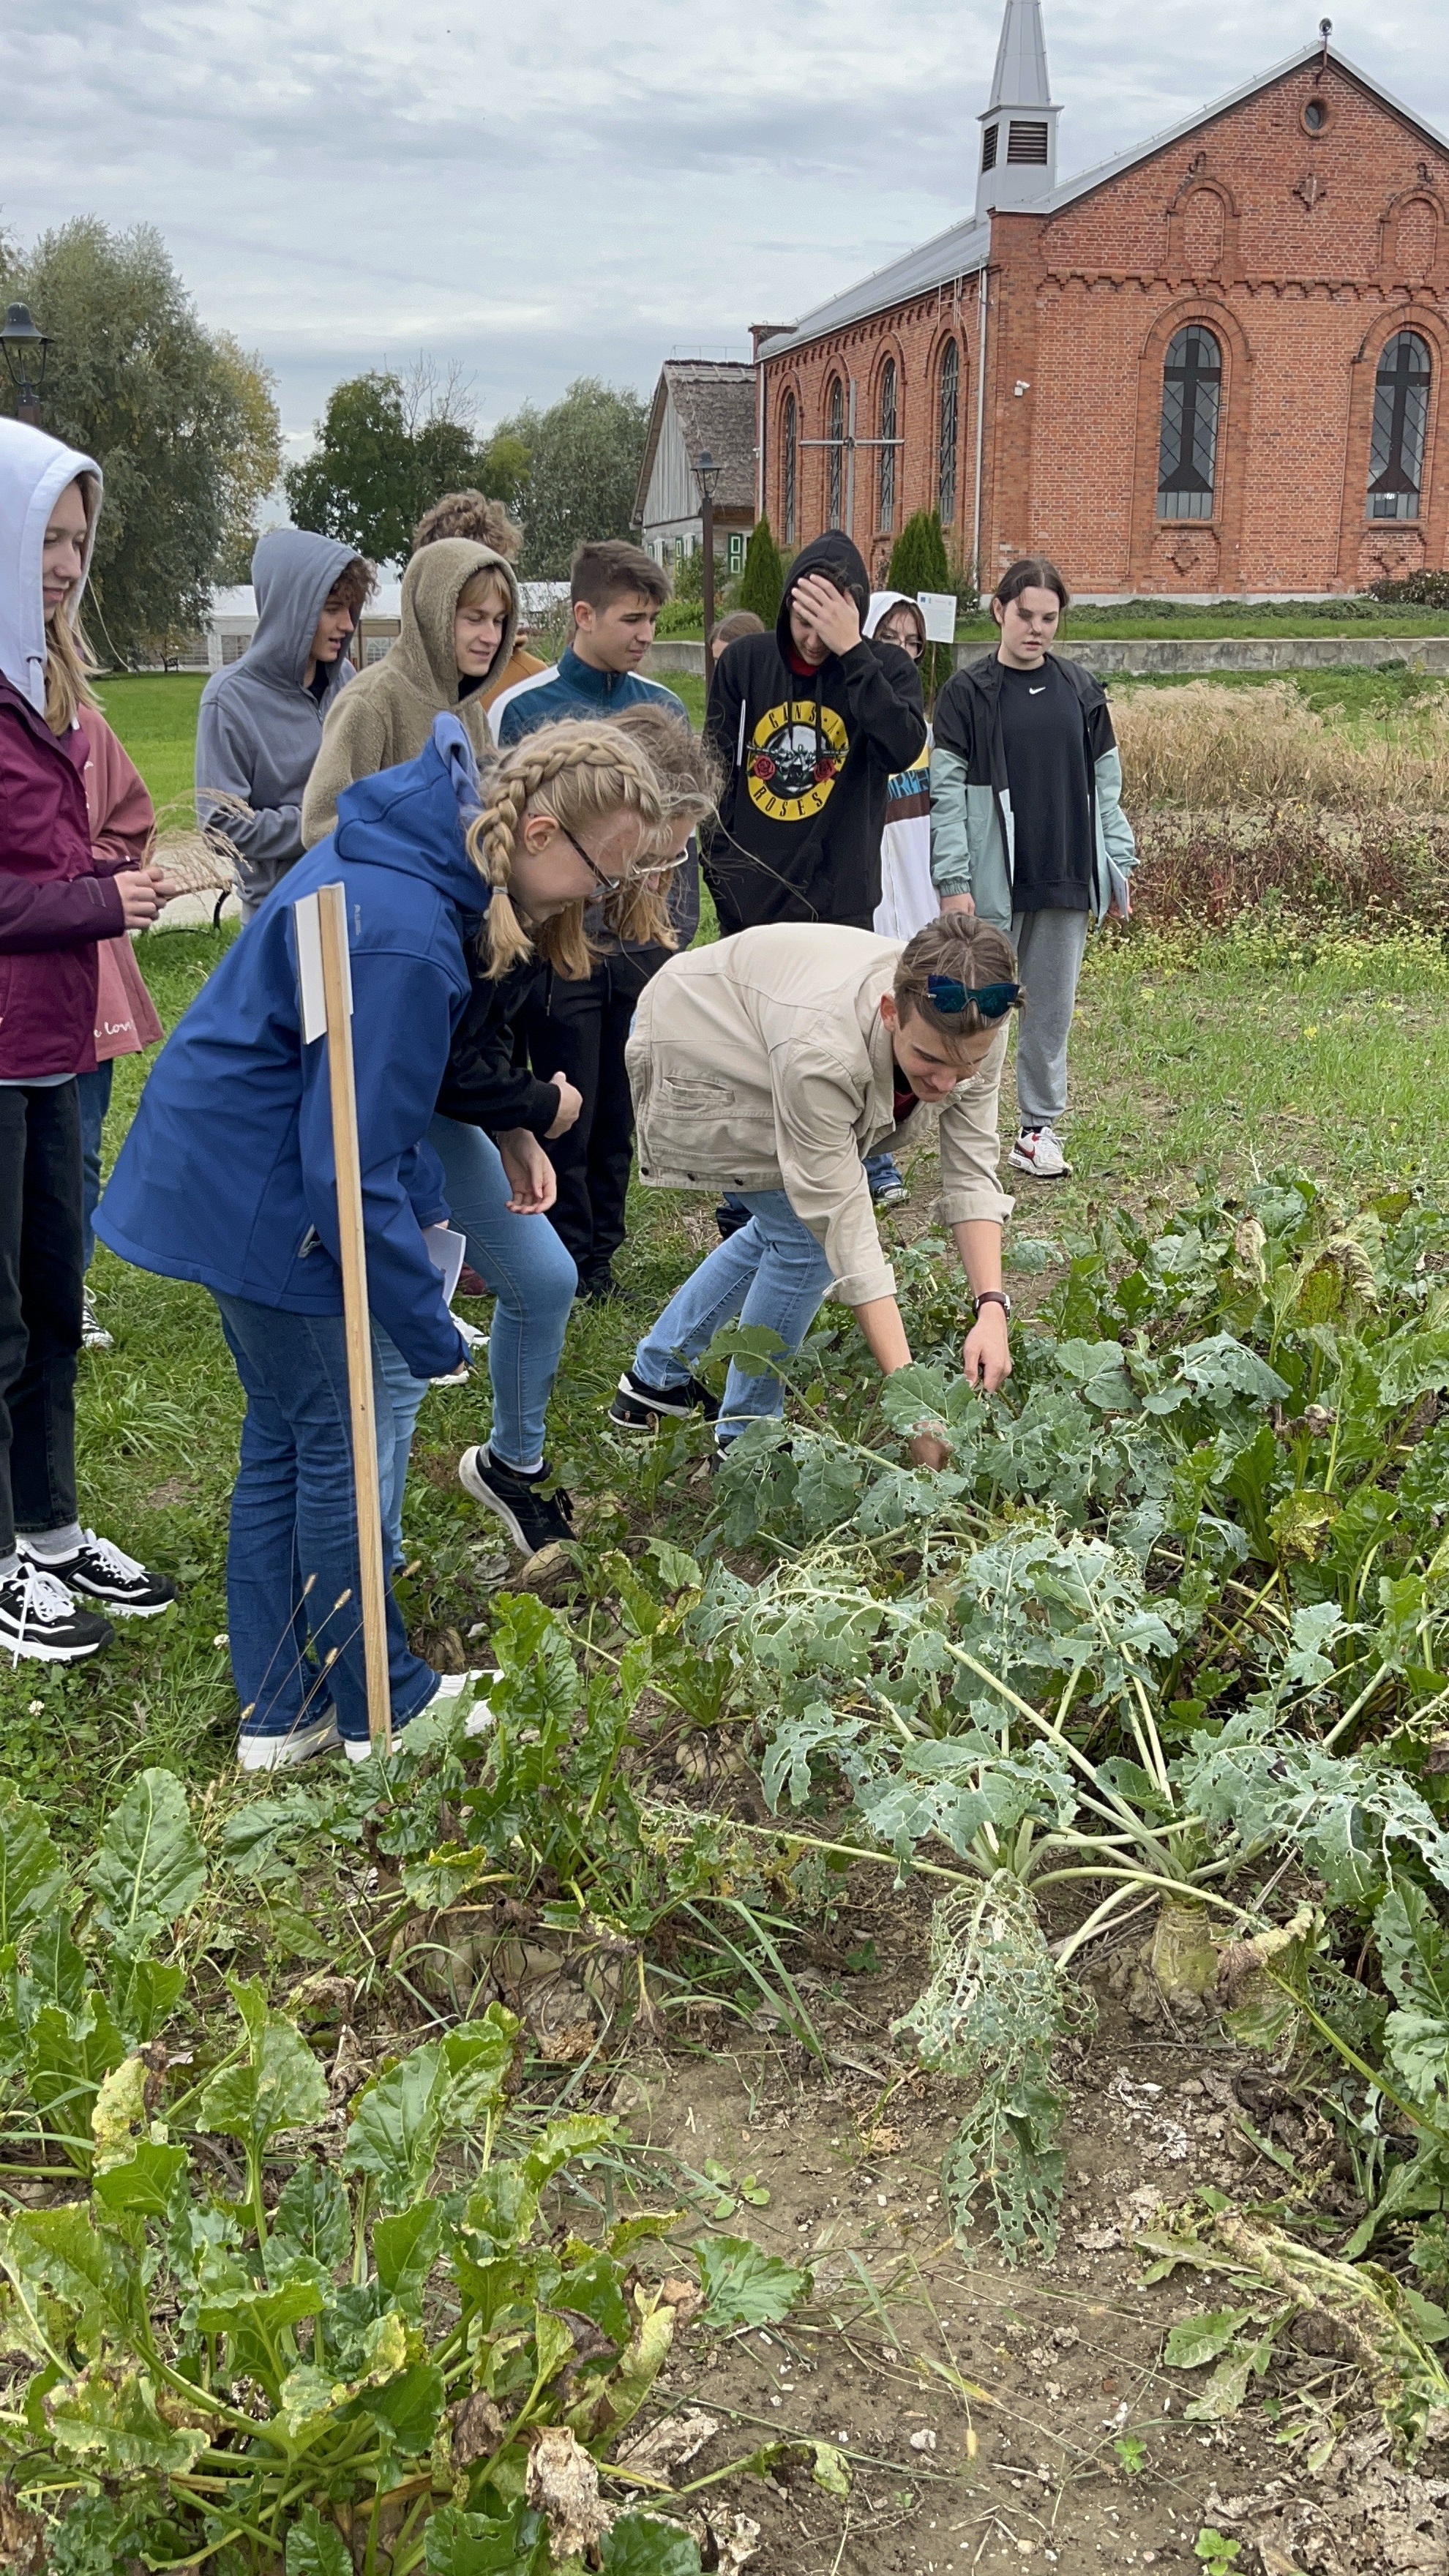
973 832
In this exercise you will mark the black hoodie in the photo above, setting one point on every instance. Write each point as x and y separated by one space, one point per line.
808 759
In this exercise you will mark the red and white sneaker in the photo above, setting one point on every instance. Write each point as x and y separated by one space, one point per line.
1038 1151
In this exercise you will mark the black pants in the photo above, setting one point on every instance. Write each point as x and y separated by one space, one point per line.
580 1029
41 1272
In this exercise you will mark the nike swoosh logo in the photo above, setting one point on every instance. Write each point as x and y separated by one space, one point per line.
1037 693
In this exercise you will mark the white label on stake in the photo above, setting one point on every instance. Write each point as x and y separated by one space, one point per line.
938 607
306 913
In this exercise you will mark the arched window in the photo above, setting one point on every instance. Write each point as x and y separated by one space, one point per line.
887 445
1401 416
789 451
1187 454
947 433
835 455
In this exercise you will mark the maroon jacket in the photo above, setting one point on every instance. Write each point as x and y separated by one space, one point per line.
57 898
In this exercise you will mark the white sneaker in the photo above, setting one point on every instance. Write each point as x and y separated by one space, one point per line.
257 1750
451 1686
94 1336
1038 1151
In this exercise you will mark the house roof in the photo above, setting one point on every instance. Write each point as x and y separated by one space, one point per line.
714 404
963 249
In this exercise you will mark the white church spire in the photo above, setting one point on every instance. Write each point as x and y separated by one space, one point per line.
1019 123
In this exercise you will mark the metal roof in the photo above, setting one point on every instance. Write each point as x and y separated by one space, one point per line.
1020 78
963 249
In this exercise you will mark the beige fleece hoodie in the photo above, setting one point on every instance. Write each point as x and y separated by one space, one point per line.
397 699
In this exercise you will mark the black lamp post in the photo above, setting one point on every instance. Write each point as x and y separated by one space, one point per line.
25 347
706 475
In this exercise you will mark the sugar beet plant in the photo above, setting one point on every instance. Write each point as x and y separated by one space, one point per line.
256 2328
1170 1622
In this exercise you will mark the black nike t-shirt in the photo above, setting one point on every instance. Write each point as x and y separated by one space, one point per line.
1046 767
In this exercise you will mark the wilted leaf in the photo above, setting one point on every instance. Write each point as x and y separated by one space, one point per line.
1201 2338
743 2286
109 2417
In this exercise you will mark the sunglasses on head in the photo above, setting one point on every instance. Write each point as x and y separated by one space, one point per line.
993 1001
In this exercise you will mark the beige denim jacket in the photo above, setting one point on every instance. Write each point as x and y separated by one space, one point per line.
762 1063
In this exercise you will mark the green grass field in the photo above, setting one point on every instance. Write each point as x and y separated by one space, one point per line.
154 712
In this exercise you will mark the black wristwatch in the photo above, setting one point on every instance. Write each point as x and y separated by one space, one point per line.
994 1297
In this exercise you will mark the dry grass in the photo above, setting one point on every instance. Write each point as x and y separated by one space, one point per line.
1375 871
1235 750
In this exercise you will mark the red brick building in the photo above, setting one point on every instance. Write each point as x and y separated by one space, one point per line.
1214 364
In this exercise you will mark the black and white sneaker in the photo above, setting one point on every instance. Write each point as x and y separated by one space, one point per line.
637 1406
532 1519
40 1620
104 1572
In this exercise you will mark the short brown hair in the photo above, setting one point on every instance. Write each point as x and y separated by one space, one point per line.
489 582
1031 572
353 587
610 568
740 621
473 515
960 944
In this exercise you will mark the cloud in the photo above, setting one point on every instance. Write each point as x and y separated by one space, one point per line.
541 195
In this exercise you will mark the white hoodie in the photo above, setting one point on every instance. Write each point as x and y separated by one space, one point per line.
908 897
34 471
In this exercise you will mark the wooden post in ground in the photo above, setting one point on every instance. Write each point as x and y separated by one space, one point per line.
337 996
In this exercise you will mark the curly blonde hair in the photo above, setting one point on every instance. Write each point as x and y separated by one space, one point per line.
583 775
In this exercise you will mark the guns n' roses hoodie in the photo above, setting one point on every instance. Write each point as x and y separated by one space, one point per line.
809 755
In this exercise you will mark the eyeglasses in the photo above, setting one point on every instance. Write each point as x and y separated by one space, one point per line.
993 1001
912 643
610 885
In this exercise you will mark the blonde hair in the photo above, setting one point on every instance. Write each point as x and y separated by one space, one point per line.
69 661
487 588
583 775
689 777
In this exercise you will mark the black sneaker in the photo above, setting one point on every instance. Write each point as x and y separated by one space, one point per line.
637 1406
39 1619
596 1287
104 1572
532 1520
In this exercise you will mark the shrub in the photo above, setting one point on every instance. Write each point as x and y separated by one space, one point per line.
918 562
1415 590
764 575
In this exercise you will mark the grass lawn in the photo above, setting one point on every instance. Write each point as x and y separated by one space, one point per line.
154 713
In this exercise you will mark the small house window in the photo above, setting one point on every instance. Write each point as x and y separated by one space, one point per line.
948 427
1315 116
988 147
835 455
1026 143
1401 417
887 445
789 445
736 545
1192 382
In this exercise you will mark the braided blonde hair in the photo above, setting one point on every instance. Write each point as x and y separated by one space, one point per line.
583 775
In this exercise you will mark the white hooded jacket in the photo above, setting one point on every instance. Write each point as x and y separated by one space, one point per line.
34 471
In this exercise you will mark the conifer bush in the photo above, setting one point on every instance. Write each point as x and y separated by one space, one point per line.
763 580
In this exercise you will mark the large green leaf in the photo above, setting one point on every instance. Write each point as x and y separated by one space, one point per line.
446 2088
459 2543
404 2250
109 2416
264 2313
743 2286
32 1875
316 2548
408 2407
92 2274
150 1867
1199 2339
144 2184
639 2544
279 2086
311 2221
68 2056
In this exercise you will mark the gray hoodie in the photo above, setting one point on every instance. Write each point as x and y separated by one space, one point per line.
258 730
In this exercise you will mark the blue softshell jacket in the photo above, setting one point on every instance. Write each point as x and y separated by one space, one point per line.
227 1175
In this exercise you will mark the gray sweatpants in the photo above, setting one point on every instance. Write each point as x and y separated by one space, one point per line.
1049 948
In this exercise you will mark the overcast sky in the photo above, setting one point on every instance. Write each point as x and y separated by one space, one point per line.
552 188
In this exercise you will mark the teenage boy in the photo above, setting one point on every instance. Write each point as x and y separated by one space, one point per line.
810 723
1027 828
261 720
581 1026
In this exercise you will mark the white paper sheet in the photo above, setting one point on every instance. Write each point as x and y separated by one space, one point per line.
938 607
306 913
445 1251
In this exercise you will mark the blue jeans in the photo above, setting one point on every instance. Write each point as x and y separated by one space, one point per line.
395 1427
772 1272
882 1172
532 1277
93 1091
292 1568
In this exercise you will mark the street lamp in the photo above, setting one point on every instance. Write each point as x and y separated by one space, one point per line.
706 475
24 347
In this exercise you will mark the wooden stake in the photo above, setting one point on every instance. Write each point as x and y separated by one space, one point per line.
336 989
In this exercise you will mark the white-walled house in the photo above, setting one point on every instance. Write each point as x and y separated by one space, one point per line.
698 403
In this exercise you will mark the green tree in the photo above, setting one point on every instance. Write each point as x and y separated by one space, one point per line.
763 582
388 447
918 562
181 421
584 455
503 474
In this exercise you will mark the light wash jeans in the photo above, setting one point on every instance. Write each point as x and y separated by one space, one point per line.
772 1272
93 1091
533 1279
